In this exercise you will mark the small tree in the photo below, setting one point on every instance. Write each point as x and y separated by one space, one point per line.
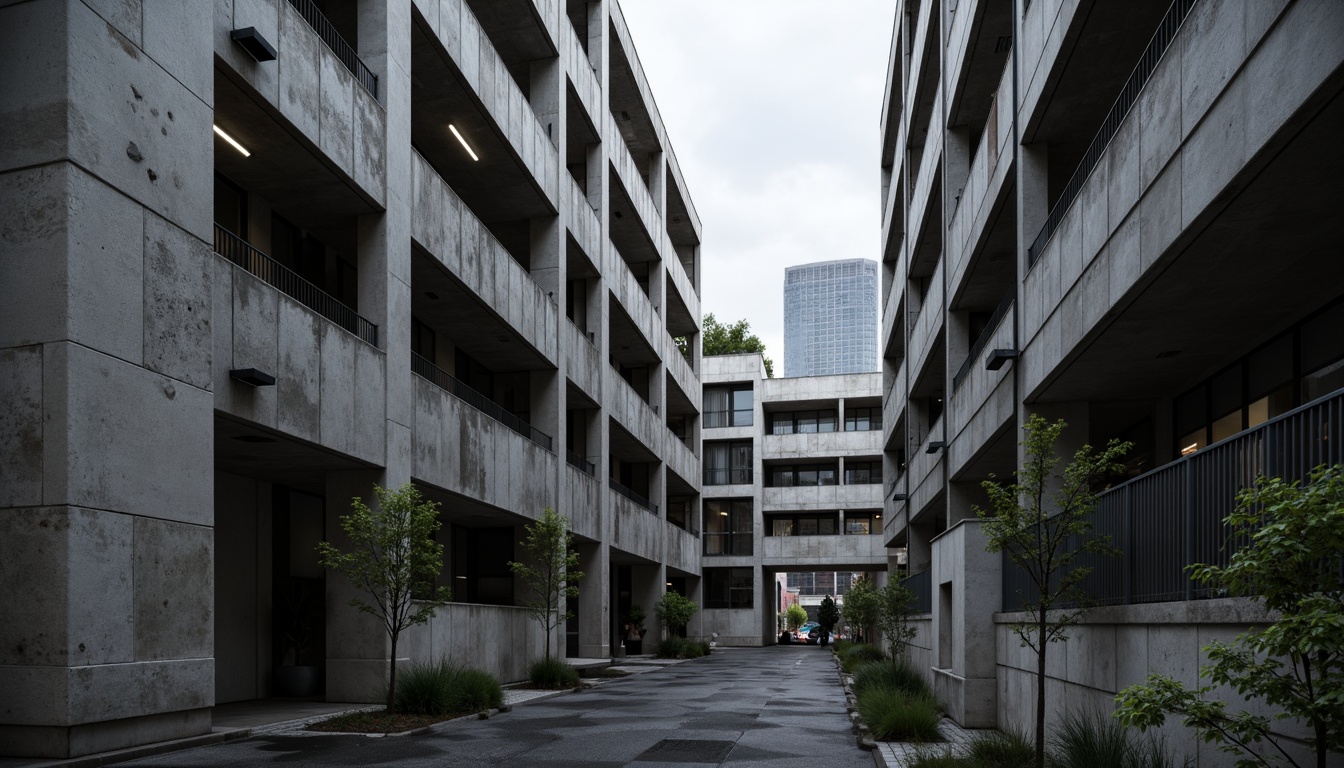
795 616
1045 533
1294 562
862 607
552 575
675 611
893 617
724 339
394 560
828 615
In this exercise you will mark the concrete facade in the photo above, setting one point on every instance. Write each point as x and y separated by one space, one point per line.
498 320
1125 216
830 318
792 483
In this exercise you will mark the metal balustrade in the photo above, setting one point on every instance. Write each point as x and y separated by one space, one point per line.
922 585
631 495
333 40
1172 517
580 463
240 252
445 381
1129 94
982 341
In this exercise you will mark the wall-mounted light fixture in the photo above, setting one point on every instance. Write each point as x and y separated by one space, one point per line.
232 141
900 497
463 142
935 446
250 40
997 357
252 377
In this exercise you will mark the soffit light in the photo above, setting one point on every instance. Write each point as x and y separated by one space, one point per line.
232 141
463 142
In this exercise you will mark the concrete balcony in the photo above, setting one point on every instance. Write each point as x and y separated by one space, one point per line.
585 495
815 445
625 288
582 221
634 529
822 497
925 477
894 404
982 405
826 552
893 327
986 187
645 209
582 77
923 194
681 548
584 362
680 370
633 414
924 336
452 235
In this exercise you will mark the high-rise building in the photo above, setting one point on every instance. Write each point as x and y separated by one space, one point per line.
256 258
830 318
1125 216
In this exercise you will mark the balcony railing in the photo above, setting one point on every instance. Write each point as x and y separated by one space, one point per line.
727 476
580 463
445 381
631 495
1172 517
980 343
922 585
238 251
310 13
1166 32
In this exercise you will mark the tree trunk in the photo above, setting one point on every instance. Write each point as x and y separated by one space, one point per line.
392 677
1040 694
1321 751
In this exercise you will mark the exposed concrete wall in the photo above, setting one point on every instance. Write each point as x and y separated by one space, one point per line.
967 588
499 639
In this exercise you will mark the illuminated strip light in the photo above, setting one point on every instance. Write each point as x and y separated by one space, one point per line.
463 142
231 141
1189 449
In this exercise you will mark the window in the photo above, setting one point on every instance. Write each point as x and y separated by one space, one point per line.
728 527
803 422
859 523
863 419
728 462
729 406
729 588
811 524
863 472
791 475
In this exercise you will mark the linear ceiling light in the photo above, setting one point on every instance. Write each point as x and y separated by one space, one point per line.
231 141
463 141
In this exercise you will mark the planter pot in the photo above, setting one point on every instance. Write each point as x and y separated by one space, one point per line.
297 682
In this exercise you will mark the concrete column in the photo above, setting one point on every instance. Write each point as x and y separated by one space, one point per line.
594 600
658 183
648 583
106 459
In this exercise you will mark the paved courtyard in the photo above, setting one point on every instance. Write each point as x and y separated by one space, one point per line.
776 706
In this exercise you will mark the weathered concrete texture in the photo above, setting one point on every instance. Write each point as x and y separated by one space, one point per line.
456 630
174 591
106 736
177 295
21 427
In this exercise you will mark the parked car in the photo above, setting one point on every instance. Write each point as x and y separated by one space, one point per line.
804 633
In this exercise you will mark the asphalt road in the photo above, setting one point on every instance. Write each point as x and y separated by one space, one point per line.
778 706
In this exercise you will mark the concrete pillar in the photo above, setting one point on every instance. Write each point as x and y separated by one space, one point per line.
658 182
594 600
648 583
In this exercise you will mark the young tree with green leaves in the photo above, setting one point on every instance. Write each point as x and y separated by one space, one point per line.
394 560
552 575
723 339
1293 563
862 608
1042 523
795 617
675 611
893 617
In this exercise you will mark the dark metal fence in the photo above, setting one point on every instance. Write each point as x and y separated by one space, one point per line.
579 462
240 252
325 30
1172 517
631 495
922 585
1166 32
979 346
445 381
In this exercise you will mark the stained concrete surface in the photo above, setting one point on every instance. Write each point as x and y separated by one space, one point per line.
780 706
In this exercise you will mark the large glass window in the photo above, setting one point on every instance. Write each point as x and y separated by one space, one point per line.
804 422
729 588
728 406
810 524
728 462
863 472
859 523
728 527
863 419
790 475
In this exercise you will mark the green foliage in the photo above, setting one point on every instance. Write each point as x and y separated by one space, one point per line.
839 647
859 653
552 574
552 674
394 560
828 614
680 648
723 339
1041 522
1095 741
893 617
795 616
994 749
863 607
1294 563
893 675
675 611
895 716
441 688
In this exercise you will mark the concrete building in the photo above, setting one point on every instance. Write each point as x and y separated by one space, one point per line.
1125 215
830 318
792 483
257 259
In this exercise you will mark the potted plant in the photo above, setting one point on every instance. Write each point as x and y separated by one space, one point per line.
298 625
634 629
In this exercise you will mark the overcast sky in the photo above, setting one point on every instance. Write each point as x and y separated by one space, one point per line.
773 110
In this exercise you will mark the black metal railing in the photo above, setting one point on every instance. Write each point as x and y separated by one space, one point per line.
631 495
240 252
445 381
325 30
1172 517
982 341
922 585
1129 94
580 463
727 476
727 543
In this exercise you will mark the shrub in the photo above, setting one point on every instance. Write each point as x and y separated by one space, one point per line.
859 653
999 749
895 716
838 647
681 648
1096 741
552 674
942 759
703 647
893 675
440 688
